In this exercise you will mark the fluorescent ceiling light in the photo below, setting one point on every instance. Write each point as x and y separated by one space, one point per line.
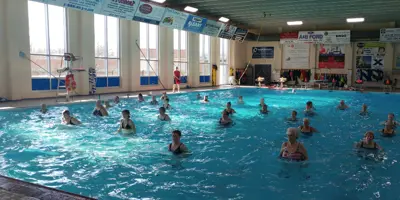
353 20
294 23
159 1
191 9
223 19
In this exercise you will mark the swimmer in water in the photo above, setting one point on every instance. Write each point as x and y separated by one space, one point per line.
176 147
368 142
309 108
240 100
153 101
163 96
100 110
140 98
198 96
205 100
264 109
126 124
107 104
162 116
293 150
224 120
43 110
229 109
364 110
293 118
116 99
388 130
262 102
306 128
342 105
166 104
68 120
391 121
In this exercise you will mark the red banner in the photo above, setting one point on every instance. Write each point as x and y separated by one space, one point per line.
289 37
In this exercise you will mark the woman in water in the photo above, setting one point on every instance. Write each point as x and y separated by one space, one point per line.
229 108
240 100
126 124
99 110
225 120
166 104
205 100
391 120
43 110
162 116
342 105
364 110
153 101
306 128
264 109
368 142
176 147
262 102
163 96
68 120
388 130
293 150
140 98
309 108
293 118
116 100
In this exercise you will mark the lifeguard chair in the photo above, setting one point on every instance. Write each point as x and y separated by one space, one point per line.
70 83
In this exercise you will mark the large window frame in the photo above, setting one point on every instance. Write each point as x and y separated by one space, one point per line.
205 58
181 59
224 61
107 54
149 73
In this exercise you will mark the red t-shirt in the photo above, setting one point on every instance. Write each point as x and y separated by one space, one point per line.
177 74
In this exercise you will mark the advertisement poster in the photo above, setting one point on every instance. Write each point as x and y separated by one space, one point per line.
212 28
148 13
390 35
121 9
263 52
289 37
325 37
195 24
240 34
296 56
84 5
174 19
227 31
369 61
331 56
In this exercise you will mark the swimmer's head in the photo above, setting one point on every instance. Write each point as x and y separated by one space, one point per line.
240 97
262 100
391 116
205 97
228 105
294 113
176 136
306 121
116 99
98 103
153 98
364 106
369 136
44 106
126 114
66 113
309 103
291 133
161 110
140 95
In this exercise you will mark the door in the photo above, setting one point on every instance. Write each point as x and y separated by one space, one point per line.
263 71
223 74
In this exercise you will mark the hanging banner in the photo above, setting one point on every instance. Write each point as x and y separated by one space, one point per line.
195 24
296 56
84 5
174 19
148 13
122 9
325 37
290 37
331 56
390 35
227 31
262 52
240 34
369 61
212 28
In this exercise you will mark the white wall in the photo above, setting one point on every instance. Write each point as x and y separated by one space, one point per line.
3 53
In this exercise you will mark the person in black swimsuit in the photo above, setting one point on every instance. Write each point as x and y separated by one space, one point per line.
140 98
229 109
100 110
43 110
306 128
126 124
205 100
166 104
153 101
368 142
162 116
176 147
68 120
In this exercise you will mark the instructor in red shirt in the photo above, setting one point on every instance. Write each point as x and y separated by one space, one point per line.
177 79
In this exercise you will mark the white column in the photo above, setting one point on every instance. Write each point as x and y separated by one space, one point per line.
194 60
4 89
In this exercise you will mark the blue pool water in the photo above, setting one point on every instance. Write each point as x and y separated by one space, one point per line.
238 162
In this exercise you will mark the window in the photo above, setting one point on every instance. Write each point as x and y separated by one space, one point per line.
180 53
149 54
205 59
48 41
224 61
106 34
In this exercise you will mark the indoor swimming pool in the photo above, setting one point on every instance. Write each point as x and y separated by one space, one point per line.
236 162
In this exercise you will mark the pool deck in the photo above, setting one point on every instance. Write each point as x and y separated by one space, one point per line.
12 189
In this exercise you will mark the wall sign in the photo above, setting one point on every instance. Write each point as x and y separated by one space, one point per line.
325 37
390 35
212 28
369 61
195 24
262 52
227 31
296 56
331 56
84 5
289 37
174 19
240 34
124 9
148 13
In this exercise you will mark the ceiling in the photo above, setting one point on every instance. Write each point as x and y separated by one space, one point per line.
315 14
